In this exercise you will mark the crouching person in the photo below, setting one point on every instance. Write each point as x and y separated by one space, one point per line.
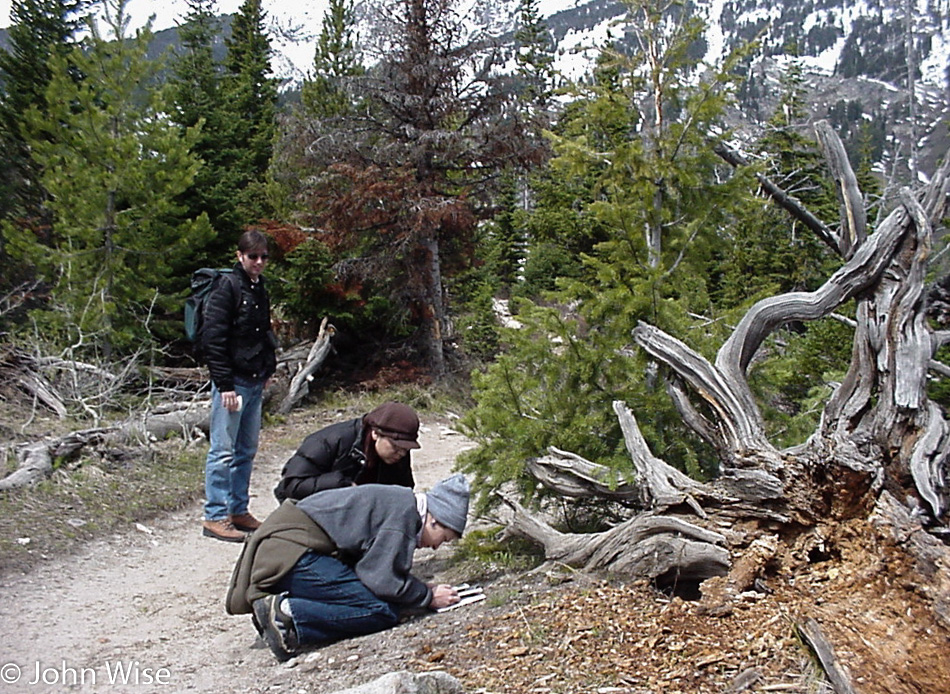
338 563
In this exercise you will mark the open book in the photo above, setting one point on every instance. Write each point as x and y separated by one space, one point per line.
468 595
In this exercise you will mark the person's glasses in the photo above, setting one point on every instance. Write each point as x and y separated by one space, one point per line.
258 256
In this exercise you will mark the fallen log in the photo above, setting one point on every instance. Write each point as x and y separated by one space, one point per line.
35 460
41 390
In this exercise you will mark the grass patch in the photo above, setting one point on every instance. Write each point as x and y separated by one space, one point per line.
481 555
92 497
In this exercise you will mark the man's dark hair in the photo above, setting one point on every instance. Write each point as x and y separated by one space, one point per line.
251 239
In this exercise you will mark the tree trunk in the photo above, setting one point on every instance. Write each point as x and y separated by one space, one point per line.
299 384
433 322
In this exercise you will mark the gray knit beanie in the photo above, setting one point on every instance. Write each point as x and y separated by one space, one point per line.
447 501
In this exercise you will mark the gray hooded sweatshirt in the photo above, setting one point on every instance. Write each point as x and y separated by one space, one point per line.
375 528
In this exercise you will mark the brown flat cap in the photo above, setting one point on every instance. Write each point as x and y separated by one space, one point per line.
397 422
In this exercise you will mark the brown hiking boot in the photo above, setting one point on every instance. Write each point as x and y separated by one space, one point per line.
221 530
245 522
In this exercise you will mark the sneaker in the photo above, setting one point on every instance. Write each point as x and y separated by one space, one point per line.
245 521
222 530
278 627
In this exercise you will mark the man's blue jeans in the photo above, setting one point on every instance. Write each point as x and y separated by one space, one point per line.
233 445
329 602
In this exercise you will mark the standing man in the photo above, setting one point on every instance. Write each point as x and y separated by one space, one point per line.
240 350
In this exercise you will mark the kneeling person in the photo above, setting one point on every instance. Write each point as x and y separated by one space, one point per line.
338 563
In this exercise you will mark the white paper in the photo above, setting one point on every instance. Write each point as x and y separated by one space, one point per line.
468 595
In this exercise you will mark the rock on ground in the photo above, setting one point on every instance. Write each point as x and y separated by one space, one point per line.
409 683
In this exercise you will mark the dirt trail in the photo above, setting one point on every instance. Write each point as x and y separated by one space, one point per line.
143 611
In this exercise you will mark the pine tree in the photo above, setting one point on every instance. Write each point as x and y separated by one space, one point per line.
39 29
400 182
766 252
533 55
196 92
536 77
114 166
634 170
641 134
505 241
251 97
324 93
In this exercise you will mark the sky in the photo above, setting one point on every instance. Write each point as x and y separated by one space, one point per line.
140 10
168 10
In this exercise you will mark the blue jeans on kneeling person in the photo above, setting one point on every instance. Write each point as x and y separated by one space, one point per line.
328 601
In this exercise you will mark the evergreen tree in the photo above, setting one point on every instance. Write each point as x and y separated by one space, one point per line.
401 183
534 55
196 92
324 93
251 97
327 93
114 166
634 159
766 253
39 29
536 76
196 76
641 134
504 240
307 289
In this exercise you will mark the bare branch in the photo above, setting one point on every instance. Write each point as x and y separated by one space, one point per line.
853 217
318 353
790 204
738 417
573 476
857 275
646 545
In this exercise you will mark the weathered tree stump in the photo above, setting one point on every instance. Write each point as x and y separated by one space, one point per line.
881 451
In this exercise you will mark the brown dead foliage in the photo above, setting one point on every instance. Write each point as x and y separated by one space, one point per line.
598 635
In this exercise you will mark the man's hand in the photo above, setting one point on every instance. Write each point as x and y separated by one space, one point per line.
230 401
443 595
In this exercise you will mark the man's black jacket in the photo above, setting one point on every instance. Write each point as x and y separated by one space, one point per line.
334 457
236 335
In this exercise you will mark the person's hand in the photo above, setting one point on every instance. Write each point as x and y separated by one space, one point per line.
442 596
229 399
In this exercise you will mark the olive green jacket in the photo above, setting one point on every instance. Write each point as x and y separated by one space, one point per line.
270 552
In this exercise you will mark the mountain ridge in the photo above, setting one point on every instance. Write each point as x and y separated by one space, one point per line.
855 55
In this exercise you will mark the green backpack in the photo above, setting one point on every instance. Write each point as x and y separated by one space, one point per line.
202 282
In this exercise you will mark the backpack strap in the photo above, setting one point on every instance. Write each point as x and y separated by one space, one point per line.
235 283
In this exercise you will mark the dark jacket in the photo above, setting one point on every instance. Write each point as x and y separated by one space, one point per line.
334 457
236 337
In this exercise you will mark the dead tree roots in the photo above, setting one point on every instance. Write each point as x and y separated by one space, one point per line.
881 451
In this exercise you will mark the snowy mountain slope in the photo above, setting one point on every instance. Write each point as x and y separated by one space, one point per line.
825 32
851 51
